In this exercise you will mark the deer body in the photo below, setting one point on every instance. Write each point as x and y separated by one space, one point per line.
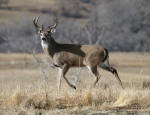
74 55
65 56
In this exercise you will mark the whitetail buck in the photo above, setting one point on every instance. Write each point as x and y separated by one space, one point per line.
65 56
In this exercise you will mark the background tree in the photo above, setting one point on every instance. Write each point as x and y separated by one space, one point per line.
4 2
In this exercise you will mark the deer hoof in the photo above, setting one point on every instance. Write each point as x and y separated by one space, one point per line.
74 87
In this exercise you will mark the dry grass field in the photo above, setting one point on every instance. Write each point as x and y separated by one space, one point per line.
17 10
24 91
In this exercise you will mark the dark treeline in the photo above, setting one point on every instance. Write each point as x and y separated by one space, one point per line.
119 25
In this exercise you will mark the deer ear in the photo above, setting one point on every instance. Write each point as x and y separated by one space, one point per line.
53 30
40 31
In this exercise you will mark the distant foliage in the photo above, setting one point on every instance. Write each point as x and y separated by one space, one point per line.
125 23
72 8
1 40
4 2
119 25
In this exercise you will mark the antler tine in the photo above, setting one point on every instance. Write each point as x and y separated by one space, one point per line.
55 25
37 19
35 22
56 21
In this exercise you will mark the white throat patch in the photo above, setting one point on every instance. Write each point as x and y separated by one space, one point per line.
44 44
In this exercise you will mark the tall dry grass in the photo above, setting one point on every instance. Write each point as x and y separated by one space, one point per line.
96 98
23 88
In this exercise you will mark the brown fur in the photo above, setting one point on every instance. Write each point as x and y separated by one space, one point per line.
65 56
75 55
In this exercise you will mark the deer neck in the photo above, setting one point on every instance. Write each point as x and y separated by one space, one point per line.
50 47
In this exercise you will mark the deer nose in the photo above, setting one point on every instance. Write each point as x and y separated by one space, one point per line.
44 39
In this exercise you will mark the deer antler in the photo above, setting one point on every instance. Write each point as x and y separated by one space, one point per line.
35 22
55 25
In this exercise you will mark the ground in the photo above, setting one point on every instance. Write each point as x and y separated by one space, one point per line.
23 89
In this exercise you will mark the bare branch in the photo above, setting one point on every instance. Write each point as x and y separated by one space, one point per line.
41 69
101 35
89 36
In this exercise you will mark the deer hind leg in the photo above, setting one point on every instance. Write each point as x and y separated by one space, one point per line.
64 71
106 66
95 73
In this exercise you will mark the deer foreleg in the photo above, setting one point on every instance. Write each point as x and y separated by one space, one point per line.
64 71
59 78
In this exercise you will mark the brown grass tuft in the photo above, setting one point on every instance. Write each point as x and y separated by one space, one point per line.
146 84
38 102
87 99
131 99
107 95
15 100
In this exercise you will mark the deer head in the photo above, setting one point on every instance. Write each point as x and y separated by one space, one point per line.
44 34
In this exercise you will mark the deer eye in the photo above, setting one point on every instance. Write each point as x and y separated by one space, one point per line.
48 35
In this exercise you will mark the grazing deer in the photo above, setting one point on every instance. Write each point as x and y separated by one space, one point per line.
65 56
